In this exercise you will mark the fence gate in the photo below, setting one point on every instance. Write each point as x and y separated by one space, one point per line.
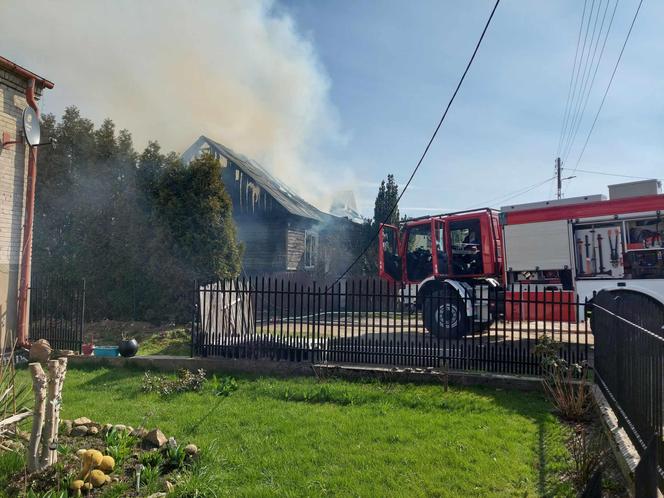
629 368
57 312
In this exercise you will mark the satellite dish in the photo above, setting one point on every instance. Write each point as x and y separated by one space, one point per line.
31 129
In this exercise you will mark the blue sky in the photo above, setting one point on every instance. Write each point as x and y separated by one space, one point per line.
335 95
392 69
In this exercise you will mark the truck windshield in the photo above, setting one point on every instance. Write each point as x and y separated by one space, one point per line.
419 263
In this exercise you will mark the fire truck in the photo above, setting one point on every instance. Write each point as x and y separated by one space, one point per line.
463 264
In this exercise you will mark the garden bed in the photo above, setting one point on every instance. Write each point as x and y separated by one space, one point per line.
133 462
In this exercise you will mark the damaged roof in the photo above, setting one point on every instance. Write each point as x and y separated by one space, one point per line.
292 202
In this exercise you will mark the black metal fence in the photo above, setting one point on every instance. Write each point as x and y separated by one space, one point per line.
369 321
57 312
629 368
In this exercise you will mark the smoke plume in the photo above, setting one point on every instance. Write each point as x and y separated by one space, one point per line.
236 70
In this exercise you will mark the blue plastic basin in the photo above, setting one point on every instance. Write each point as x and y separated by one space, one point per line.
105 351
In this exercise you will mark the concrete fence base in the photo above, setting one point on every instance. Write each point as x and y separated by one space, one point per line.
286 368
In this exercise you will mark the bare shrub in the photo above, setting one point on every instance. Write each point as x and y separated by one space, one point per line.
566 384
588 453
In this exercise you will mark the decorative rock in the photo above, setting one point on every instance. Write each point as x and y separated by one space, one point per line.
120 427
172 443
191 450
93 430
140 432
129 429
82 421
106 427
156 438
79 431
40 351
67 426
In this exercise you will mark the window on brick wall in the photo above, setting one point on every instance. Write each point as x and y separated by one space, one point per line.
310 249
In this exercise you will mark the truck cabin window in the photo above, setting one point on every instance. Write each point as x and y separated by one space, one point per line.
419 263
466 247
391 258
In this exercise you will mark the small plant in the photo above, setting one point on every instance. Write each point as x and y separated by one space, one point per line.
195 482
223 386
587 453
119 445
151 459
566 384
47 494
175 456
120 438
118 490
64 450
66 480
150 476
185 380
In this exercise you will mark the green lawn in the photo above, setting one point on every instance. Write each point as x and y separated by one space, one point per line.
305 437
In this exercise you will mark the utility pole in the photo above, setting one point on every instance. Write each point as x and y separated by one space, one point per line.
559 177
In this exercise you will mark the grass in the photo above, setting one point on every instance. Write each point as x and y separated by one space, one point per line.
305 437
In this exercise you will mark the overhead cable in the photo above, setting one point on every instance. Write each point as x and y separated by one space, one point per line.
426 149
606 92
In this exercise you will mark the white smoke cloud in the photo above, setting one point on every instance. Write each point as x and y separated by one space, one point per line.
236 70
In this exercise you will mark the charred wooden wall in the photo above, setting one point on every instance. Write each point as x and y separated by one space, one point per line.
273 238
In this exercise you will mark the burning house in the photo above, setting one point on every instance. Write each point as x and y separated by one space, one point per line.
280 231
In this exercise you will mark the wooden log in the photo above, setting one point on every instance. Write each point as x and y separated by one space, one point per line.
47 435
62 371
14 419
39 386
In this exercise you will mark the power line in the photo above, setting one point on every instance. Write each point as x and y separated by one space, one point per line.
604 173
576 103
579 116
606 92
512 195
426 149
571 78
578 71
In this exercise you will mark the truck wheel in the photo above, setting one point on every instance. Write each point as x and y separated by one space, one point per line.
445 314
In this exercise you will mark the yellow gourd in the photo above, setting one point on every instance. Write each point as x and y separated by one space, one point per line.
107 463
97 478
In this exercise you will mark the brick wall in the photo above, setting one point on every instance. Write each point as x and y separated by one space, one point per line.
13 169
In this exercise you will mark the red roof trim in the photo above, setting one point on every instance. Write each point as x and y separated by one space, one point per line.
25 72
586 210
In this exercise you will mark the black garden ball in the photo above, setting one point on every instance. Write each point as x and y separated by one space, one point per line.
128 348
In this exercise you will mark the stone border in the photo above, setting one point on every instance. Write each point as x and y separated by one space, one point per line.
623 450
288 368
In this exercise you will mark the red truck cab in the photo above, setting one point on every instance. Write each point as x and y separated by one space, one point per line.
464 246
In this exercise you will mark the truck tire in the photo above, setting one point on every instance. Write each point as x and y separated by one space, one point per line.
444 314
